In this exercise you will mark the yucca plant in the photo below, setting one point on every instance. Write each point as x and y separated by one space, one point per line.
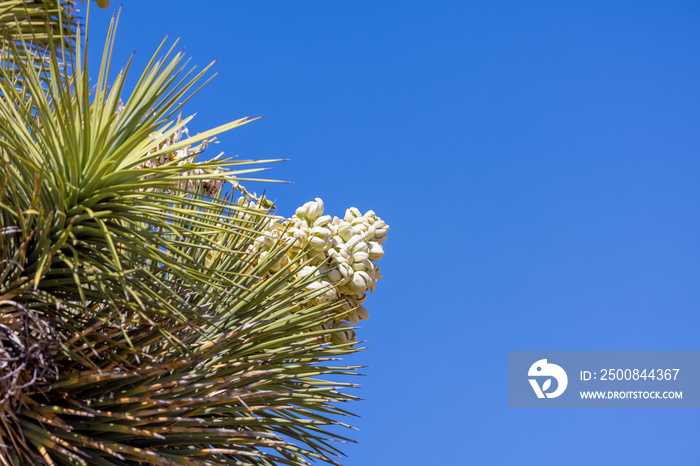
148 314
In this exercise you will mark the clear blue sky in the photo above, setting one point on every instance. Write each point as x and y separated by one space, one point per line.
539 165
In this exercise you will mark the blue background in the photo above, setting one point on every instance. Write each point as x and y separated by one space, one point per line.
538 165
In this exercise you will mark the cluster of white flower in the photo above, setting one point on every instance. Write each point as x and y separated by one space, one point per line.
339 253
186 156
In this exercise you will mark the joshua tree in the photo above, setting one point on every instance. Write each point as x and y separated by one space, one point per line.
152 310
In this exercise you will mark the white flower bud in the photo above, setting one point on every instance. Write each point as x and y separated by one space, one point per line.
334 275
322 221
353 317
303 211
337 259
317 209
380 235
365 278
356 299
362 313
298 235
314 286
345 231
321 232
376 251
331 294
352 213
343 252
345 270
359 221
360 281
360 246
347 305
319 243
360 256
306 271
358 266
336 241
346 336
353 241
311 210
370 269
